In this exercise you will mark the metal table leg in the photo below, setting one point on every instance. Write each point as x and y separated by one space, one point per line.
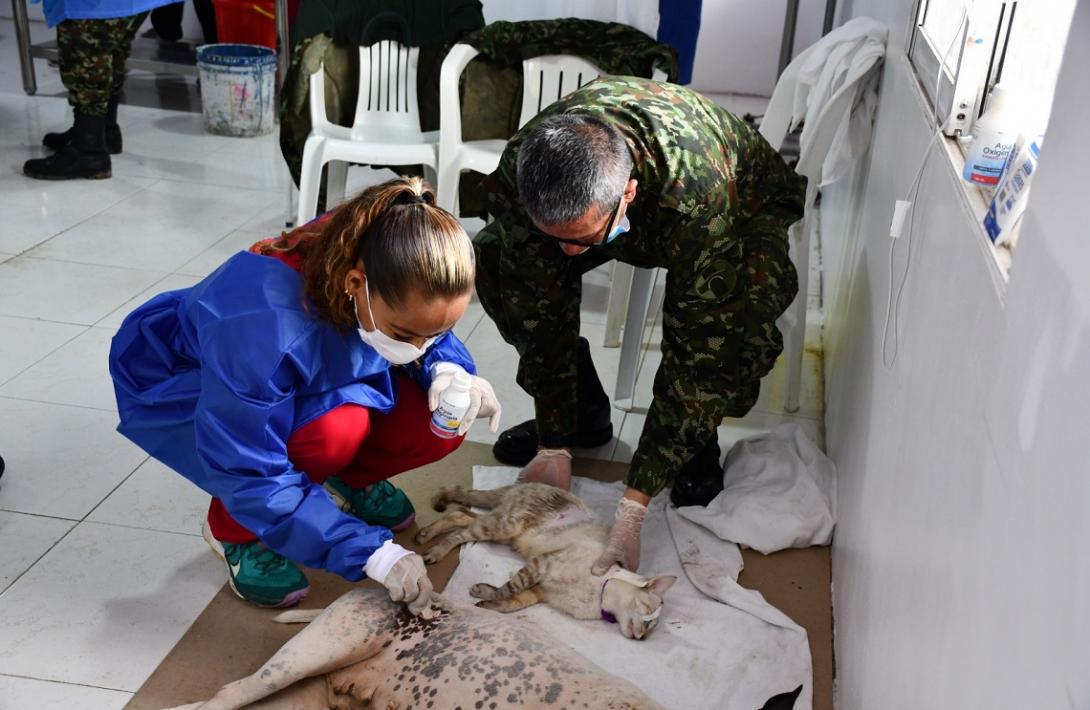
643 287
22 36
283 42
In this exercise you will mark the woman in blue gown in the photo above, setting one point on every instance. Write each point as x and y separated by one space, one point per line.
315 358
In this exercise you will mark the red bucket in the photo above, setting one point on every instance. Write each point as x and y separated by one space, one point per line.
246 22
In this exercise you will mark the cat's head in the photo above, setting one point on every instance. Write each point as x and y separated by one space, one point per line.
634 601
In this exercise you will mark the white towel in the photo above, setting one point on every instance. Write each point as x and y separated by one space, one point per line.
779 491
734 653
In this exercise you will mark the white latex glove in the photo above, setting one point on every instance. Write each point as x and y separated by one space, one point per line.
482 398
624 538
407 581
550 466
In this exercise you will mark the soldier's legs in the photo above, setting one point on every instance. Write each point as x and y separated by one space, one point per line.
122 48
772 284
86 50
92 57
517 445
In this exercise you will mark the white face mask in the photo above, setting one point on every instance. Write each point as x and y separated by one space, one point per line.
397 352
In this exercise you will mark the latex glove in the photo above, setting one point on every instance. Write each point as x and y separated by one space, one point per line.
551 466
482 398
407 581
624 538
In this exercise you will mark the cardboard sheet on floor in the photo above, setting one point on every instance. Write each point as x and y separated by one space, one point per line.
231 639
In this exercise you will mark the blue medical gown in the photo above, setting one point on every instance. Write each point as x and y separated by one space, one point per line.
57 11
212 381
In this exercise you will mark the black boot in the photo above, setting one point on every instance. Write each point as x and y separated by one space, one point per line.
594 425
85 157
56 141
701 480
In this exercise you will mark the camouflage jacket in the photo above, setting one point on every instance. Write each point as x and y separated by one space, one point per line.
712 207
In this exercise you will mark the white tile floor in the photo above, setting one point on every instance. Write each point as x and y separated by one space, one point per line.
101 565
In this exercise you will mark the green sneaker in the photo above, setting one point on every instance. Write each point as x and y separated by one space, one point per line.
380 504
259 575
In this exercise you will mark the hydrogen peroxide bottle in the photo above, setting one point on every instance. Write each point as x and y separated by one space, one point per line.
994 136
453 404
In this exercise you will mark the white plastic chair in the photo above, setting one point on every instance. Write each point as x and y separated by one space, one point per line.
385 130
544 80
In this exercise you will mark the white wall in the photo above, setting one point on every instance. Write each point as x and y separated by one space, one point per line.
961 563
738 49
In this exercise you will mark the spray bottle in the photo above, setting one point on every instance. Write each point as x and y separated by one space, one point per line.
453 404
994 136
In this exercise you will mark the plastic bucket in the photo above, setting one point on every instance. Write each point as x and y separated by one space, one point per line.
246 22
238 87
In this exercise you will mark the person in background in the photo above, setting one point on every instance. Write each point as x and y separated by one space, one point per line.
166 21
94 38
315 358
654 175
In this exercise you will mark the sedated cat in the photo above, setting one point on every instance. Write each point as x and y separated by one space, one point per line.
560 538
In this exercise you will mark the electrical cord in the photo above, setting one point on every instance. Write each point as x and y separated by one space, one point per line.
913 193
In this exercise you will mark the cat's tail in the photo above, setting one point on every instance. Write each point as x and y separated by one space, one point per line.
473 498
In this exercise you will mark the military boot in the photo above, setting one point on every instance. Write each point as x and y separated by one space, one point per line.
56 141
593 418
701 480
84 157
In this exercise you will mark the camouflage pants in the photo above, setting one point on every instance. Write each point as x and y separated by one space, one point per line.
714 351
92 59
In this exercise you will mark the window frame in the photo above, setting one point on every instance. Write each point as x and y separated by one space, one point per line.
962 91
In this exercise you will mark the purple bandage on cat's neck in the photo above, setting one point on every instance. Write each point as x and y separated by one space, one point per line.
606 616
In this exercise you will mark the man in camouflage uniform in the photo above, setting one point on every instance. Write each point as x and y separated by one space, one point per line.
708 200
92 55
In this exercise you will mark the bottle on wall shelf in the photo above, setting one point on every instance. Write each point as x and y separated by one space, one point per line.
453 405
994 136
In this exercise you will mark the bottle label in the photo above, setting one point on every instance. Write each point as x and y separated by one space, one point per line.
445 422
985 164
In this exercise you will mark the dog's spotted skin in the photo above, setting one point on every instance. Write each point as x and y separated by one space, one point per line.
367 652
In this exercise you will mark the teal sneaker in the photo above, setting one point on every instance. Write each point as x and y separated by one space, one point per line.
259 575
381 503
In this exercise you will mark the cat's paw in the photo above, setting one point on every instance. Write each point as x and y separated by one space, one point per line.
500 605
424 535
434 555
483 591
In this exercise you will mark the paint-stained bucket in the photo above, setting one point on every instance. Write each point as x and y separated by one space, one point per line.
238 84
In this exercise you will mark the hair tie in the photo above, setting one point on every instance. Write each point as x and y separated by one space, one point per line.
410 198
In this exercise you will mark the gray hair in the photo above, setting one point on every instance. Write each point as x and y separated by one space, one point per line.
569 163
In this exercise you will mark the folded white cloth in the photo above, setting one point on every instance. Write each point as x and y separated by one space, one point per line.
718 646
779 491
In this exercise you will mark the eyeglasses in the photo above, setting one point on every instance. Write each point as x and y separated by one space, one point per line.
577 243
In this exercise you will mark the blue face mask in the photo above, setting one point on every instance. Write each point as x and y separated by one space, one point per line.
620 229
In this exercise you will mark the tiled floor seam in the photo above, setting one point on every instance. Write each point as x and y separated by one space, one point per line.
58 404
32 565
43 357
70 227
64 682
113 490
